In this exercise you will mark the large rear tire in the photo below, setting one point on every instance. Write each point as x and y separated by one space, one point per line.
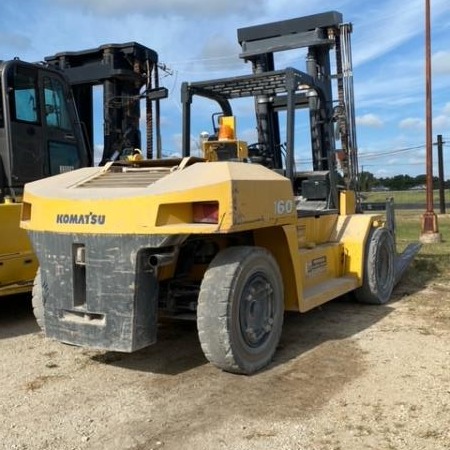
240 309
38 300
379 268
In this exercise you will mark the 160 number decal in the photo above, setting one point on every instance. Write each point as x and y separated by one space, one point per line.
283 207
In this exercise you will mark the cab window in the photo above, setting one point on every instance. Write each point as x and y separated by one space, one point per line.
24 107
56 114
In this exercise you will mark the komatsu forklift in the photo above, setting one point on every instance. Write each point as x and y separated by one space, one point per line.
231 239
47 128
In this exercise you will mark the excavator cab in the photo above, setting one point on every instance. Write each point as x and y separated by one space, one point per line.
39 130
40 136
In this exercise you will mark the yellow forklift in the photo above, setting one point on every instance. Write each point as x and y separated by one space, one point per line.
47 128
231 239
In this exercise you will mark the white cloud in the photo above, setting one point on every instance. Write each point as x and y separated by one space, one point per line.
184 8
412 123
392 27
388 92
18 41
219 53
441 123
369 120
98 153
441 63
382 173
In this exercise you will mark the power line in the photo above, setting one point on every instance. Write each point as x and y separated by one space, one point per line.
379 154
375 155
403 164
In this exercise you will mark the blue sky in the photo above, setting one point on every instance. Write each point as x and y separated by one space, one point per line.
197 40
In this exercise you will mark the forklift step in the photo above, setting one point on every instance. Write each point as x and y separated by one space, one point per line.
329 289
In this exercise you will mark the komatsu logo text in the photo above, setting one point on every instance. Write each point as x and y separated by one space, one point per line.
81 219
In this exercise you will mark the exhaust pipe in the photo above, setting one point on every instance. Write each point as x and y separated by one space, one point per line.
161 259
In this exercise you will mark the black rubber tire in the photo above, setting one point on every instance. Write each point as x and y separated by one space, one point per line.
379 268
37 300
240 309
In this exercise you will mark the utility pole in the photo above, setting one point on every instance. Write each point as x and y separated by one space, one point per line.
440 146
430 230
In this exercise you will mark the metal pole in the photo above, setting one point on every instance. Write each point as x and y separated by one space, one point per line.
429 219
428 110
440 143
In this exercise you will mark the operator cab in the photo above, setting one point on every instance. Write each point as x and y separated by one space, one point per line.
40 134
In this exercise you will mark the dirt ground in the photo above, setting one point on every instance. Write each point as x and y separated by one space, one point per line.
346 376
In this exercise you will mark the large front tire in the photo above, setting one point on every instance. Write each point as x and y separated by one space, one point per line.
379 268
240 309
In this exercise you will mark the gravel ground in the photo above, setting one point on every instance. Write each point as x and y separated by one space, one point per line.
346 376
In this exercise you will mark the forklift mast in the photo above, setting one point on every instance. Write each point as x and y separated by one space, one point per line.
122 70
319 33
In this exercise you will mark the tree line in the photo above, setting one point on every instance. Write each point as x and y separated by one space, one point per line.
368 182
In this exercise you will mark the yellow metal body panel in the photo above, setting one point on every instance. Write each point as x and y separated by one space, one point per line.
18 263
231 148
320 256
250 196
321 261
282 243
353 231
331 253
329 289
347 203
315 230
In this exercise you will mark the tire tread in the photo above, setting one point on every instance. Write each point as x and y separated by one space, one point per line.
214 308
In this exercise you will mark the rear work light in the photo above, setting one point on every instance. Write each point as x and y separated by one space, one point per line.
205 212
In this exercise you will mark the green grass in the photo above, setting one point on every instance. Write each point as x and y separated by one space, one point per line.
400 197
409 227
433 260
